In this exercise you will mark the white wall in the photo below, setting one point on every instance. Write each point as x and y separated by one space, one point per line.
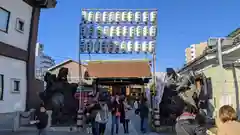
12 68
17 9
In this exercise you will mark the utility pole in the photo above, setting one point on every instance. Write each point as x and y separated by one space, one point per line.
154 78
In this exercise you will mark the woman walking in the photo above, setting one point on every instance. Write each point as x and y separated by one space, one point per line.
127 109
115 106
102 118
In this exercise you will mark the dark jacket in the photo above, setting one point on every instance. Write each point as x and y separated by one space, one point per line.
43 118
187 125
122 111
143 110
115 106
93 111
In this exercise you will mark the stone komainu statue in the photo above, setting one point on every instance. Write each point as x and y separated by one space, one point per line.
59 96
179 91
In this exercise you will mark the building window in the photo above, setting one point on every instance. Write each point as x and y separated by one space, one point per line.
4 19
15 85
1 86
20 25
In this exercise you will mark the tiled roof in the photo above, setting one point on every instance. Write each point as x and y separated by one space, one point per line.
119 69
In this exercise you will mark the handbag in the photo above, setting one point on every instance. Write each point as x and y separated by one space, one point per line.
98 117
118 114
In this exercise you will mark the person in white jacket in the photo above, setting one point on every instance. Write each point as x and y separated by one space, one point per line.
102 118
127 109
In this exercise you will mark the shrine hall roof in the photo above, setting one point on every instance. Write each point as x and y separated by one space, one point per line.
119 69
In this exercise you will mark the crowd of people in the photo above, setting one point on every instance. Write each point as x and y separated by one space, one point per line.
192 123
97 114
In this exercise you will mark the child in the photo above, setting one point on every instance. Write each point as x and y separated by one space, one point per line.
41 120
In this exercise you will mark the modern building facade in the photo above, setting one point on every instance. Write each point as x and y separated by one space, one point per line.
43 62
194 51
18 35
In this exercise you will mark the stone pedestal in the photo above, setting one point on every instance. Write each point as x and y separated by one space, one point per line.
16 123
49 113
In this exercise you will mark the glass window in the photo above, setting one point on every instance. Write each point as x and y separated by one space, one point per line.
1 86
20 25
15 85
4 19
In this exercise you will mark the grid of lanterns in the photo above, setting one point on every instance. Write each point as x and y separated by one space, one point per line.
111 46
118 31
119 17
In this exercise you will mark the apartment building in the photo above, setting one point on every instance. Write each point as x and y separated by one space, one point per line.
19 21
194 51
43 61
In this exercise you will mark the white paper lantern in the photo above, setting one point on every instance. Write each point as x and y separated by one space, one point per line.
111 17
104 46
91 31
123 47
84 31
145 17
119 31
130 16
118 17
106 31
153 31
125 31
124 16
153 17
116 46
151 46
97 46
138 17
99 31
130 46
84 15
145 46
137 46
138 31
89 46
110 47
105 17
82 46
112 31
90 17
145 31
98 17
131 31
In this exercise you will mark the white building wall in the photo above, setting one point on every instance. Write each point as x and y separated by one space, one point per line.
13 69
17 10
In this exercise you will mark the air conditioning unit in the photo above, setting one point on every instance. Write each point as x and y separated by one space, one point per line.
46 3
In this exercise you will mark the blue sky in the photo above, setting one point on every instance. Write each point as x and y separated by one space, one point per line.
180 24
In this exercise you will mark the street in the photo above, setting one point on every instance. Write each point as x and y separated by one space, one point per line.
134 129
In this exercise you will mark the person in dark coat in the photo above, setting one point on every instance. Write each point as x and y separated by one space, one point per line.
122 117
93 110
41 118
115 106
144 110
187 124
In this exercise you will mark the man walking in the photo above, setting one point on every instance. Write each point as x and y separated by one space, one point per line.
143 110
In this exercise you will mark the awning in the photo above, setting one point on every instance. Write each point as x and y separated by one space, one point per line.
119 69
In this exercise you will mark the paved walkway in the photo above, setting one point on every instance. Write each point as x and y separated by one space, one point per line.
134 129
